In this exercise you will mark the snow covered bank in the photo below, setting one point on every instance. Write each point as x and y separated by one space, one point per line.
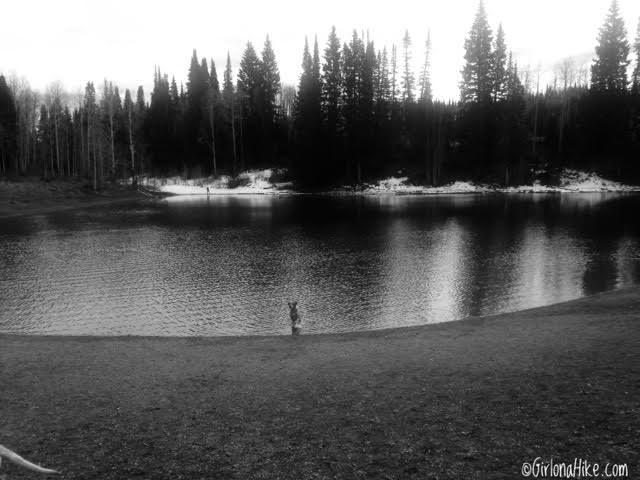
268 182
570 181
249 182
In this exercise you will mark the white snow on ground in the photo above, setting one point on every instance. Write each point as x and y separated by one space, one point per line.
249 182
400 185
570 181
574 180
260 182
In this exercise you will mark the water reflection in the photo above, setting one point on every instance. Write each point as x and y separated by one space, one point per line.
227 265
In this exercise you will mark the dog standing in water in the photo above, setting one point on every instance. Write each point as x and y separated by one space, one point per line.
295 318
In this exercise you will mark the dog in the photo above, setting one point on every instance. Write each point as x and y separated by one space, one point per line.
18 460
295 318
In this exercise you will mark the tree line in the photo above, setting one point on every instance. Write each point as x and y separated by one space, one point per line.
358 113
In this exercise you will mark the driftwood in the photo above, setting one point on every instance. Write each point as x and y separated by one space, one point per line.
18 460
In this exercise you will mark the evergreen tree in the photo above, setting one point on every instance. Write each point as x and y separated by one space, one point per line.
384 89
499 67
251 96
425 77
8 128
129 113
316 80
198 78
635 79
174 94
308 117
214 84
609 71
271 79
477 74
355 101
213 98
140 101
407 76
394 74
250 80
161 136
331 84
228 96
92 137
270 90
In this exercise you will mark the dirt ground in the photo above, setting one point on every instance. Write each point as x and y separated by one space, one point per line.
464 400
30 196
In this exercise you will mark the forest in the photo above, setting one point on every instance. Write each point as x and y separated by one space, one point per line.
358 113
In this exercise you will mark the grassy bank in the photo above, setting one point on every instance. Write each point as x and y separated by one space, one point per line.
472 399
30 196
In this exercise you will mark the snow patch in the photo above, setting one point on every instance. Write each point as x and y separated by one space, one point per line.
249 182
570 181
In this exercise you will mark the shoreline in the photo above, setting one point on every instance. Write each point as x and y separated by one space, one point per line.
467 399
558 306
35 197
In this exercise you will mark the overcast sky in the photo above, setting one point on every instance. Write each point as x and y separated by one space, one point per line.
79 40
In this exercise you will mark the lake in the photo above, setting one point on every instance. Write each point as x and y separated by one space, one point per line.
228 265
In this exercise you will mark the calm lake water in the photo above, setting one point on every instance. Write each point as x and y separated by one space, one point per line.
228 265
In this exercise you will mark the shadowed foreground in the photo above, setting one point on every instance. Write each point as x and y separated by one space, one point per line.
31 196
471 399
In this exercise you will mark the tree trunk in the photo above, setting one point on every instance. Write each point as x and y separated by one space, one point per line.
233 138
241 146
131 148
82 137
213 137
55 128
112 141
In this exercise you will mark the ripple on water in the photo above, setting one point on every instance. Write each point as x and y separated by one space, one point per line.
229 267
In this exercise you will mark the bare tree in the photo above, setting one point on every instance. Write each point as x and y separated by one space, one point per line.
565 71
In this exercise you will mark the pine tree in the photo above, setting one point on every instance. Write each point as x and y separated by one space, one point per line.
635 79
477 74
609 71
140 132
394 74
271 79
174 96
197 80
251 95
90 108
512 85
316 79
306 80
8 127
129 121
407 76
140 101
228 96
250 79
308 115
353 60
108 109
425 77
384 90
331 83
212 110
499 67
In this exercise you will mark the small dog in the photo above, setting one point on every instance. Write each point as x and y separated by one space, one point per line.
295 318
18 460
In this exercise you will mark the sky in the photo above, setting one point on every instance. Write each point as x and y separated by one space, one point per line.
75 41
